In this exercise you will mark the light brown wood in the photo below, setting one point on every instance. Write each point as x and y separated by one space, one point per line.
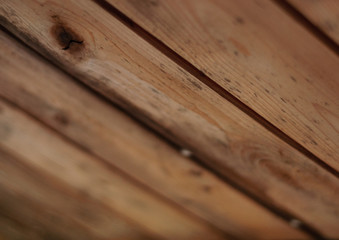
55 99
43 150
34 206
322 13
115 61
262 56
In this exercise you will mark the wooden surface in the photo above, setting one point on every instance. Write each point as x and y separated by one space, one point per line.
258 111
254 50
34 85
91 179
53 209
322 13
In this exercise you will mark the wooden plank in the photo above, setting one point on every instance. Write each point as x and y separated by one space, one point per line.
55 99
322 13
128 70
33 206
59 161
259 54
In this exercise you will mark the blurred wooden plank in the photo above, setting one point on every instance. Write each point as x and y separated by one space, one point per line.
40 148
128 70
54 98
258 53
33 206
322 13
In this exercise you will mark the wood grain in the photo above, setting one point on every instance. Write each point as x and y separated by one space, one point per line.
41 149
55 99
259 54
322 13
33 206
128 70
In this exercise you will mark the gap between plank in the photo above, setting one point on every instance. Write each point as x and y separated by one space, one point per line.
307 24
101 160
20 162
189 67
277 211
122 173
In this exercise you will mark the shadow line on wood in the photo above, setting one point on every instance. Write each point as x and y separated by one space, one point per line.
189 67
123 174
274 209
307 24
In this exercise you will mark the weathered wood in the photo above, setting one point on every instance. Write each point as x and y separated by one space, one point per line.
322 13
33 206
40 148
125 68
259 54
55 99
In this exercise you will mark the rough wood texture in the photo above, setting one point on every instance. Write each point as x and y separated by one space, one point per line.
259 54
55 99
70 167
125 68
322 13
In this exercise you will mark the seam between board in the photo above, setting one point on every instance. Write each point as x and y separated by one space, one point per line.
19 161
202 77
277 211
299 17
122 173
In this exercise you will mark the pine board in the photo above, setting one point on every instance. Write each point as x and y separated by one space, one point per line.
67 165
322 13
131 72
258 53
54 98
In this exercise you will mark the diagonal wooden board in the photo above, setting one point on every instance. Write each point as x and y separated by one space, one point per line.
48 153
259 54
55 99
115 61
322 13
35 206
